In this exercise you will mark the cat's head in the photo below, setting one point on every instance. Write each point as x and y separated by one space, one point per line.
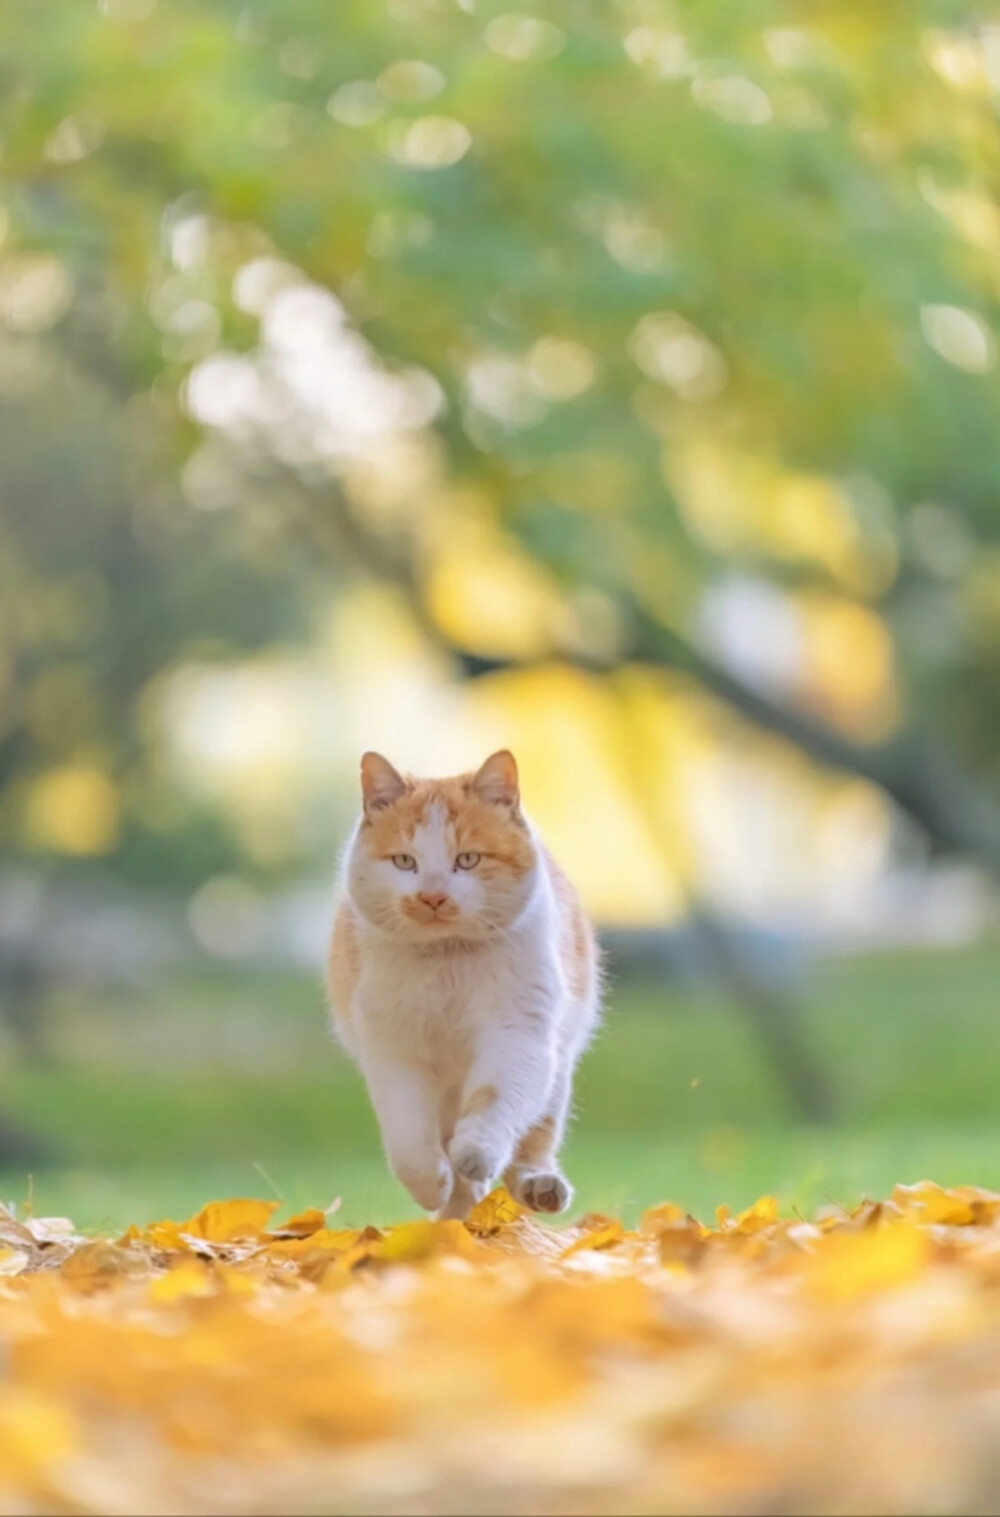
441 859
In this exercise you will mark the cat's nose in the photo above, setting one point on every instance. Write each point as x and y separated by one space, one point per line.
432 899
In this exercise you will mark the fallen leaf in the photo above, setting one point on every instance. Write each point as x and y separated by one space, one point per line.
604 1236
656 1218
935 1204
496 1210
850 1264
524 1366
763 1213
229 1221
189 1278
302 1225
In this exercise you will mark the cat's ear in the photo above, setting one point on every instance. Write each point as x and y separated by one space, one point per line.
381 784
496 781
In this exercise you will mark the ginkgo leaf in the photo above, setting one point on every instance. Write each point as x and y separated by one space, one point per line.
325 1240
301 1225
227 1221
524 1365
656 1218
850 1264
189 1278
761 1214
935 1204
498 1209
604 1236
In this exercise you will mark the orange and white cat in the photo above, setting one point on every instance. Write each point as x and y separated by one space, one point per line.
464 981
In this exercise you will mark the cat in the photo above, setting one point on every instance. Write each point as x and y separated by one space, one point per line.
464 980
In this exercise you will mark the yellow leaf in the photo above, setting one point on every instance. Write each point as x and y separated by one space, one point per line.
657 1218
165 1235
35 1432
599 1237
186 1279
761 1214
230 1221
496 1210
930 1203
409 1241
849 1264
302 1225
327 1240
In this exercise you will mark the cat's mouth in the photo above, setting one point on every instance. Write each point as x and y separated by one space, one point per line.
442 918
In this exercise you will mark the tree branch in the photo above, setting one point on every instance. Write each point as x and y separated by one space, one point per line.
920 776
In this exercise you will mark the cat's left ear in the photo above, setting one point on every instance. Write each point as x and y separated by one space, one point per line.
496 782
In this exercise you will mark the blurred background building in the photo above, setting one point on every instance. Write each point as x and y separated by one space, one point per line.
614 383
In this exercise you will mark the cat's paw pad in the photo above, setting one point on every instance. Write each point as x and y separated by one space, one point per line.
542 1190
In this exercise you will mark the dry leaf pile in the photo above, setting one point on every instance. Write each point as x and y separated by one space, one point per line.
228 1364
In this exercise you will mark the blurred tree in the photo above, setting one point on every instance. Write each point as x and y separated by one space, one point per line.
662 301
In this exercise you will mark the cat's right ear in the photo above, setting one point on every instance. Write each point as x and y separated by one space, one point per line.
381 784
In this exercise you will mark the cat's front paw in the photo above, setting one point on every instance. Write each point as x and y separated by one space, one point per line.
474 1159
429 1182
473 1163
541 1189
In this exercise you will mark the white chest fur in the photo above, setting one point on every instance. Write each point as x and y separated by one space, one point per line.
431 1007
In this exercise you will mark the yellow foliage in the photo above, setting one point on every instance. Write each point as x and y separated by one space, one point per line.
74 810
736 500
850 663
225 1364
487 594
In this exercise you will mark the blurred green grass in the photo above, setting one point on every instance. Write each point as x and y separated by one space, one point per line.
229 1085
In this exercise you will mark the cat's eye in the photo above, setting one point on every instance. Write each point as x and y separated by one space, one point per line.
467 860
404 861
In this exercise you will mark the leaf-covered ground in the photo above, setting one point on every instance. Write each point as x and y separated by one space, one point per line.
235 1363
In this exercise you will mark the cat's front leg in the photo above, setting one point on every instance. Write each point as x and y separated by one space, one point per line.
506 1091
407 1108
464 1196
